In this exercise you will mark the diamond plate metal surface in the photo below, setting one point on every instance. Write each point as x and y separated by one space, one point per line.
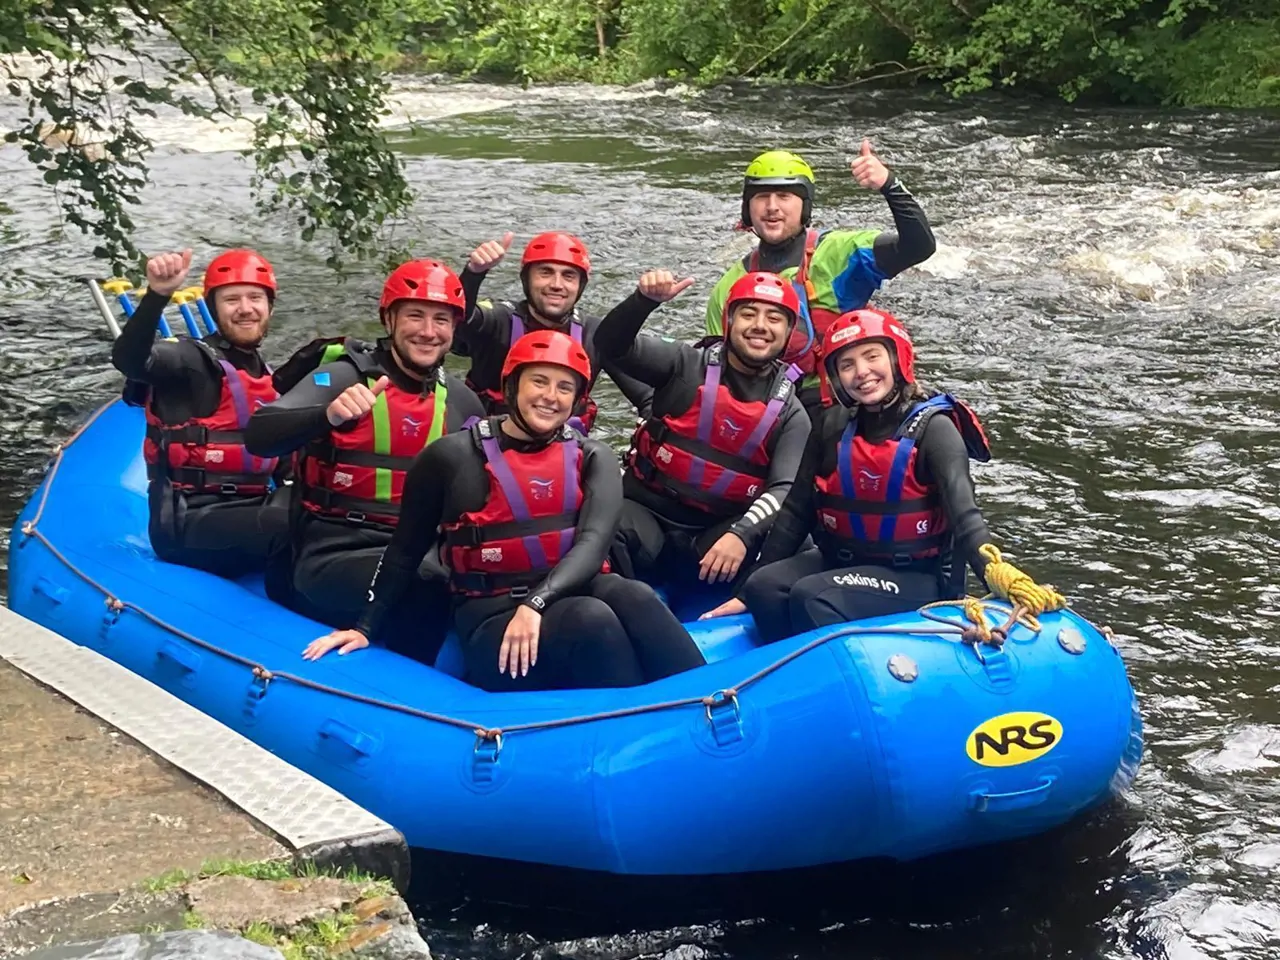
299 808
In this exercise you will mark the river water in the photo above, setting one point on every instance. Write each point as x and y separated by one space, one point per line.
1107 294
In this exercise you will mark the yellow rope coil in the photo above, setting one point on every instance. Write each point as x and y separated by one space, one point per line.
973 612
1010 583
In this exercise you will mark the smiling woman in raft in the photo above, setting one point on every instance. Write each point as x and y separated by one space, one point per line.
884 488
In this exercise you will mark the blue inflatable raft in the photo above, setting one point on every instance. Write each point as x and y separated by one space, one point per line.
887 738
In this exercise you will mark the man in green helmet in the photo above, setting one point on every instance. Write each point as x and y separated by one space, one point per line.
834 270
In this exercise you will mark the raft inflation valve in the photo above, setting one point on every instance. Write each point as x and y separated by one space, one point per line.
902 667
1072 640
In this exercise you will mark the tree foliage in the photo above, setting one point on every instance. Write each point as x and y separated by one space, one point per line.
88 71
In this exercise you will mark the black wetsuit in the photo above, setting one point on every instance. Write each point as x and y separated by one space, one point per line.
790 593
660 539
485 337
597 630
334 559
224 534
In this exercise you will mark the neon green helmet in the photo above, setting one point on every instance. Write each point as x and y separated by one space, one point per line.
774 170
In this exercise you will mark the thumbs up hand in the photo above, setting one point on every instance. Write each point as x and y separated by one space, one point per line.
355 401
487 256
168 271
867 169
662 285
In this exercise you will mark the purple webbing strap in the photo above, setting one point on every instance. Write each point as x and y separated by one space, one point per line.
706 417
240 400
515 497
517 327
570 493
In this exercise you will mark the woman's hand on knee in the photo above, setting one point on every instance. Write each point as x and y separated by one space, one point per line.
724 558
519 650
345 640
727 609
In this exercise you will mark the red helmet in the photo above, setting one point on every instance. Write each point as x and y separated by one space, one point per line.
239 266
763 288
558 248
428 280
547 346
861 326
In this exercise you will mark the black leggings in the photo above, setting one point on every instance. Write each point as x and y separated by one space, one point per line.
332 570
801 593
649 548
617 633
224 536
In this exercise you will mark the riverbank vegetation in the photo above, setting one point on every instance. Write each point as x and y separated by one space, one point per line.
1183 52
316 74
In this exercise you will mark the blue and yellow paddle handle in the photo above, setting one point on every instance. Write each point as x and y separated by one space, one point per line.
119 288
184 298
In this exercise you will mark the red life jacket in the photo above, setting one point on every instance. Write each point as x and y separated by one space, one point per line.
527 524
358 474
872 508
584 412
207 454
804 348
714 455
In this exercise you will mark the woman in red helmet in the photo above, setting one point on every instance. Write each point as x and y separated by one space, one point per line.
207 493
713 463
357 418
522 511
884 489
554 270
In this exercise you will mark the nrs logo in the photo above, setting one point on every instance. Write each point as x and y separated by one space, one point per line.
1013 738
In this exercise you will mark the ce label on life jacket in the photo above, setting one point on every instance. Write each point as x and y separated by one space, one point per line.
1013 738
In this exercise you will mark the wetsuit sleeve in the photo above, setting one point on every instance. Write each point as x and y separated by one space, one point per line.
299 416
481 322
421 509
138 355
597 521
795 521
463 405
788 451
944 461
650 360
913 241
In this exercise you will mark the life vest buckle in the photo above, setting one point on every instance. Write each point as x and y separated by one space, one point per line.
901 561
228 489
519 593
355 516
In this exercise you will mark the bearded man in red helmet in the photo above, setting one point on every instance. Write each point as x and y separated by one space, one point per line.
357 417
208 495
554 270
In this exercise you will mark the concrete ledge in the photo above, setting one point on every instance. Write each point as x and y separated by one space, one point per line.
310 819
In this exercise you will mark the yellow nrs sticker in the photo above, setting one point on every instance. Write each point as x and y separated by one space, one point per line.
1013 738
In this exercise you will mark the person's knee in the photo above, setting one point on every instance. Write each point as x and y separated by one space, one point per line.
764 584
622 595
582 616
